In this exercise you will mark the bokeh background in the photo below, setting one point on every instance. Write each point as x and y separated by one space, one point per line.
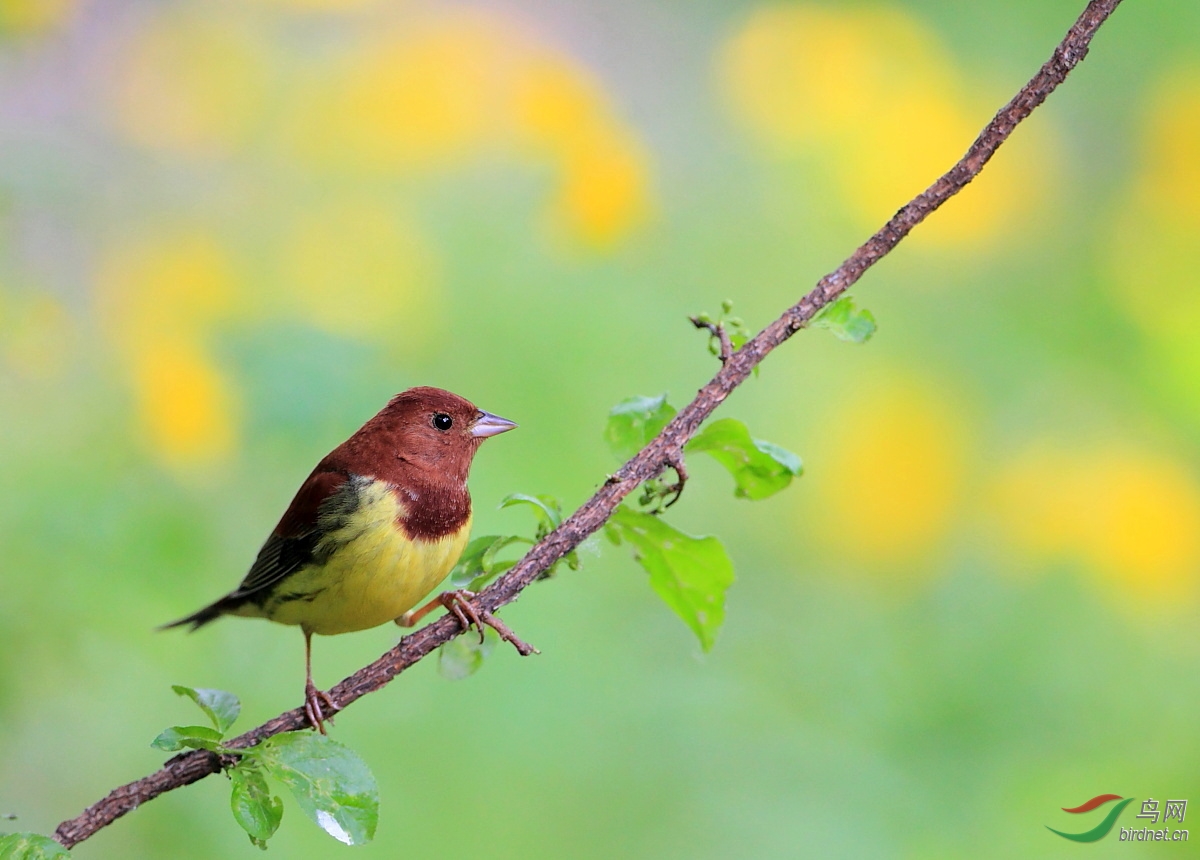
229 231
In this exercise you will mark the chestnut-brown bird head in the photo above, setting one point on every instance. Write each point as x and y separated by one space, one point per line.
428 430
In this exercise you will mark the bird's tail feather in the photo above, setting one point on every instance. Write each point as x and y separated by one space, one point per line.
209 613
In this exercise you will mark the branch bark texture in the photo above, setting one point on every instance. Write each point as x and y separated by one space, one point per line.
651 461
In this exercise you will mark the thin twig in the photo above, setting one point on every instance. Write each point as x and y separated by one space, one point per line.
717 330
675 461
649 462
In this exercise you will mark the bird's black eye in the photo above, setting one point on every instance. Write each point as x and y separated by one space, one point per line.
442 421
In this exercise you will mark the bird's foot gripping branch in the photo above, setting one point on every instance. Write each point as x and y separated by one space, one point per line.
458 603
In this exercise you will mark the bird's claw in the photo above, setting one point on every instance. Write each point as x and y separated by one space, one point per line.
458 604
317 715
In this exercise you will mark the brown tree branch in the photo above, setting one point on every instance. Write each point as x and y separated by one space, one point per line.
650 462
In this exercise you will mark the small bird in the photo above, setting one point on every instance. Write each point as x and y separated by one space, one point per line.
377 525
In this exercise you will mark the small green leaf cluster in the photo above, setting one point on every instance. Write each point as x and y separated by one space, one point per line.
220 707
480 563
328 780
735 328
30 846
759 468
846 321
691 574
634 422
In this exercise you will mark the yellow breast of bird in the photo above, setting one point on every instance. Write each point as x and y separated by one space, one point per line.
372 571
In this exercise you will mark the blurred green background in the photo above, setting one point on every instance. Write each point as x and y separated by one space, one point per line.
229 231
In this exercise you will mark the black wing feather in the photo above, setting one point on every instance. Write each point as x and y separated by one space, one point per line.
278 559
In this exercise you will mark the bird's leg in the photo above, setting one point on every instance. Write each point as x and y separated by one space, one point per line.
454 601
410 618
314 698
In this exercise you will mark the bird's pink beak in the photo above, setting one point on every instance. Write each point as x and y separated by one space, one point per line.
486 424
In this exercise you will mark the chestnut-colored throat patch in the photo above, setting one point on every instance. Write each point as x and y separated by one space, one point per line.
433 510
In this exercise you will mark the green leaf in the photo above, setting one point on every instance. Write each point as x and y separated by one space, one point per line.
846 321
634 422
470 563
547 509
759 468
30 846
549 514
478 562
187 737
331 783
488 561
254 808
690 574
222 707
463 655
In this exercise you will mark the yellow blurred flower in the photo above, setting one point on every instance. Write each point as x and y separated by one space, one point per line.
459 88
603 191
1144 523
803 74
34 16
355 268
555 105
188 85
561 114
890 479
1130 516
184 403
159 299
1170 180
874 94
403 100
1153 250
182 281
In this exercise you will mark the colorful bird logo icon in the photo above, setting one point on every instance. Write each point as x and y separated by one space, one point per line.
1100 830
